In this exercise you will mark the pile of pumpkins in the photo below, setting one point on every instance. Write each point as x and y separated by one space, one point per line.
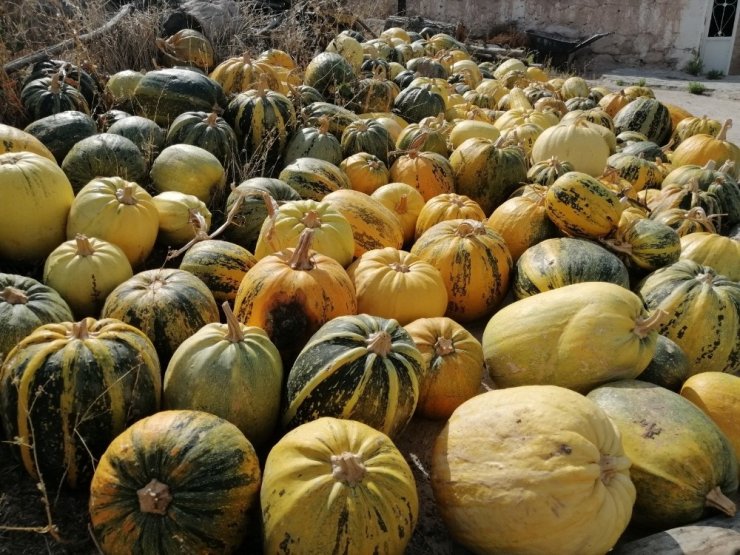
390 193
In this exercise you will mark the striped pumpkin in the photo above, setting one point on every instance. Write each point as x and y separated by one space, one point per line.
428 172
447 206
647 116
26 304
692 125
292 293
710 249
487 173
339 117
221 265
206 130
201 479
263 120
313 179
366 172
367 135
373 225
703 313
581 206
51 95
415 103
475 264
641 173
313 142
68 389
646 244
694 220
168 305
329 73
363 368
242 73
562 261
230 370
349 479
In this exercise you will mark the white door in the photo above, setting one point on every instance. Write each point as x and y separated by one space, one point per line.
719 35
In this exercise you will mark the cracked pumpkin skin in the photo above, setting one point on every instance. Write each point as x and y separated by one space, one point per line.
532 458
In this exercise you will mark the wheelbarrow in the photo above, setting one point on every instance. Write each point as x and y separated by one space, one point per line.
558 49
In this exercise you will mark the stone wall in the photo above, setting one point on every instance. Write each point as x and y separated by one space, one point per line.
654 32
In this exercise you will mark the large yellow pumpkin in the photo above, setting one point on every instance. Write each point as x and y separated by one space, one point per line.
532 470
37 197
579 143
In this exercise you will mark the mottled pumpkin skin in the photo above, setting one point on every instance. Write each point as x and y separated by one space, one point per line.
168 305
221 265
339 374
69 395
659 428
377 514
522 470
210 468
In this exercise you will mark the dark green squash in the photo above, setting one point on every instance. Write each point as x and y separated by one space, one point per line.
647 116
368 135
416 103
83 78
362 368
60 132
69 389
669 367
313 142
51 95
328 73
339 117
143 132
206 130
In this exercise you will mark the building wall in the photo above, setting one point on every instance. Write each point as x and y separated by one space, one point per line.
655 32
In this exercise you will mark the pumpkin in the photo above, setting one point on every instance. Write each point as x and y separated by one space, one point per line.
242 73
447 206
428 172
536 457
291 293
332 232
367 135
239 375
487 173
167 304
669 367
46 96
187 47
415 103
339 117
68 389
252 210
104 155
453 359
59 132
392 283
13 139
120 88
201 479
366 172
641 173
468 129
188 169
84 271
328 73
181 218
313 178
144 133
81 78
206 130
647 116
221 265
586 334
709 249
349 48
374 94
363 368
717 394
646 244
578 143
701 148
38 197
659 427
405 202
703 313
313 142
685 222
163 94
580 205
522 221
351 478
373 225
693 125
26 304
434 140
117 211
561 261
613 102
475 264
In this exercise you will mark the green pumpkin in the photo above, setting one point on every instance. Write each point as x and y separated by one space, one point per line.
647 116
368 135
313 179
416 103
328 73
69 389
60 132
339 117
206 130
669 367
143 132
51 95
362 368
313 142
221 265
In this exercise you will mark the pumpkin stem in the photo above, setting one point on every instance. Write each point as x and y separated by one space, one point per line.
235 335
13 295
403 204
722 135
618 246
126 196
444 346
610 467
212 119
469 228
398 267
55 85
324 123
379 343
348 468
719 500
710 165
301 258
84 247
643 326
728 168
311 219
79 330
155 497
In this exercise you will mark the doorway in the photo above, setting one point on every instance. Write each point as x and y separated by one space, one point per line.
719 35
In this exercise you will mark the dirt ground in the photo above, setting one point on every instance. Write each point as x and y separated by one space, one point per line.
22 514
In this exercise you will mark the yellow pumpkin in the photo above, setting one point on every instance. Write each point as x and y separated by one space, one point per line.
579 143
366 172
448 206
530 470
405 202
701 148
475 264
717 251
392 283
467 129
242 73
13 139
181 217
430 173
188 169
454 365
